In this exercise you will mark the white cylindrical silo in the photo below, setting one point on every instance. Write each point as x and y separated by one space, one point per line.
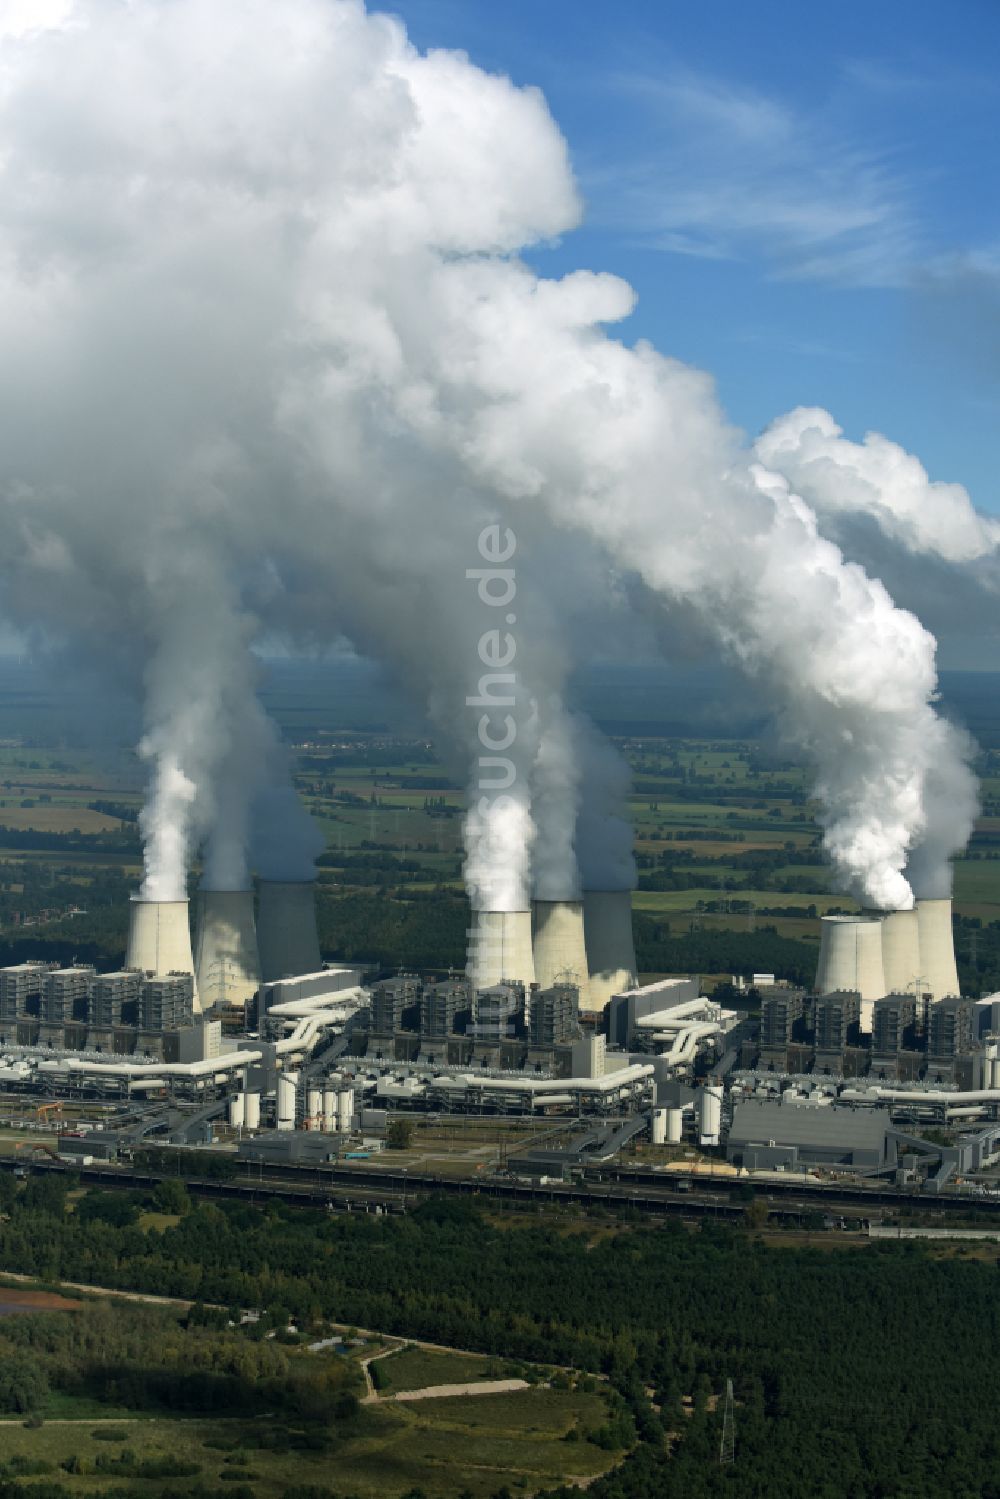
253 1111
939 972
995 1074
500 948
286 929
286 1100
226 961
159 938
238 1110
607 928
850 957
900 951
658 1128
558 948
345 1110
330 1110
710 1116
314 1108
675 1126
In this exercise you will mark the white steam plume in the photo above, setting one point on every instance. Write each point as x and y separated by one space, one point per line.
879 479
277 238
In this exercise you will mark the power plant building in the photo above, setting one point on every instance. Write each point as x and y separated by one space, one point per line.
114 999
555 1015
167 1002
441 1004
390 1001
66 994
20 984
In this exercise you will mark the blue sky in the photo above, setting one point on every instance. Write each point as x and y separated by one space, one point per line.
806 198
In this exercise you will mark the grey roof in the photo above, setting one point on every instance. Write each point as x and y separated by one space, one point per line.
804 1124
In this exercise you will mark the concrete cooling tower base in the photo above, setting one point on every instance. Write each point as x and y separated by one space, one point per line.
937 949
500 948
159 938
287 940
850 959
559 948
226 962
607 925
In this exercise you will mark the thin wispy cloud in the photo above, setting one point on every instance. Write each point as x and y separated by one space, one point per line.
729 173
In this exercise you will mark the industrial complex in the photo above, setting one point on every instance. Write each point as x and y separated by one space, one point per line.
242 1039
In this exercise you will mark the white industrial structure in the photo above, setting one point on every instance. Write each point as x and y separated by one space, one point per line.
287 940
159 938
500 949
607 927
901 952
559 948
938 974
850 960
227 967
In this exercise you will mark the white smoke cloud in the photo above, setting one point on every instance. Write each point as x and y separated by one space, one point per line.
266 328
879 479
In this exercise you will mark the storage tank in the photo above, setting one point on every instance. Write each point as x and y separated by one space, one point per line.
286 929
345 1110
900 951
238 1110
610 945
675 1126
226 962
500 948
659 1127
253 1111
286 1100
937 949
710 1115
330 1110
159 938
314 1108
558 947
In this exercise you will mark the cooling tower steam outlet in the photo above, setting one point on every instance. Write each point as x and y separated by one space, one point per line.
500 948
286 929
227 967
938 971
559 947
850 959
607 926
159 938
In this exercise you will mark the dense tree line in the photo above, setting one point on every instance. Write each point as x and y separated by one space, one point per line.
864 1373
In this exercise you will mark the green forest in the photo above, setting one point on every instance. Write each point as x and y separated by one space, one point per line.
862 1373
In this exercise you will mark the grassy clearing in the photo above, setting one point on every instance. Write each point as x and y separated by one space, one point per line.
419 1368
440 1446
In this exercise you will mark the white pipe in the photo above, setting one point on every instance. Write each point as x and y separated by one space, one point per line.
929 1095
675 1013
539 1086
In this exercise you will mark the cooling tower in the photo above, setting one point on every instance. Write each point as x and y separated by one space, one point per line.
159 938
900 951
286 929
558 947
226 962
850 958
938 972
607 927
500 948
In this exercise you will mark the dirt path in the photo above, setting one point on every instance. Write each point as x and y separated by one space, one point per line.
443 1391
371 1396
